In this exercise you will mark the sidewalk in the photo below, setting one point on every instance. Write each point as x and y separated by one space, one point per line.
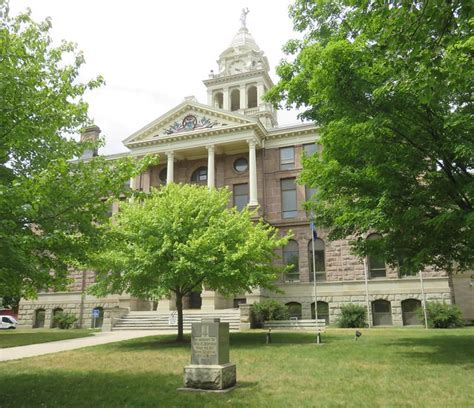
32 350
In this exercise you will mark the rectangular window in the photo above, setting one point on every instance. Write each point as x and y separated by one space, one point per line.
287 158
241 196
309 192
289 207
311 148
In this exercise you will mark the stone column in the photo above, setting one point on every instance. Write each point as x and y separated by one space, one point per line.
207 300
260 92
211 176
146 181
253 199
243 97
170 168
226 104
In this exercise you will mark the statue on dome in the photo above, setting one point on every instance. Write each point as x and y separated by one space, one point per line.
243 17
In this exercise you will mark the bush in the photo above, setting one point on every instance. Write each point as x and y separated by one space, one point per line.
442 316
65 320
268 310
352 315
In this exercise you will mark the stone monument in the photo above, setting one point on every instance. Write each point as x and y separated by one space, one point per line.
210 368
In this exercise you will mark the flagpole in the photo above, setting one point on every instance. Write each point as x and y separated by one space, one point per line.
313 230
367 304
423 299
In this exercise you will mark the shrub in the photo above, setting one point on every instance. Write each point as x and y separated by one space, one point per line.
268 310
441 315
65 320
352 315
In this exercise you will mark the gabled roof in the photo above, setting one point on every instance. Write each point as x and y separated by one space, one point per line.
187 119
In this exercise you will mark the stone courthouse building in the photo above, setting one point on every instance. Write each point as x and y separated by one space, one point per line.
234 140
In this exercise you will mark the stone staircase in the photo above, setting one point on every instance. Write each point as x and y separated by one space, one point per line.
161 321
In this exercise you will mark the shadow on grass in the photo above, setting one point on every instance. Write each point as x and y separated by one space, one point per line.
245 340
443 349
58 388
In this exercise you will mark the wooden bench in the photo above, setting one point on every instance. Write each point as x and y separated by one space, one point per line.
317 326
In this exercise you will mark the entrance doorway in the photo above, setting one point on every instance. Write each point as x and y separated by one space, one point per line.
195 300
409 312
382 312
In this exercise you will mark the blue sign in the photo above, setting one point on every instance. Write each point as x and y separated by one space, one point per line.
96 313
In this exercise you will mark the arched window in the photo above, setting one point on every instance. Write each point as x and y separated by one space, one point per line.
291 258
294 310
381 313
40 316
252 97
235 100
97 317
163 175
376 263
409 312
319 260
54 323
199 176
323 311
219 100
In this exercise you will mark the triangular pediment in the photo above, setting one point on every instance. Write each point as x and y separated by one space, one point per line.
190 117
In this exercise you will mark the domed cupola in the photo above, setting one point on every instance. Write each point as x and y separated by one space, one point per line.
242 78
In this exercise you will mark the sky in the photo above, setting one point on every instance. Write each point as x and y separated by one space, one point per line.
154 53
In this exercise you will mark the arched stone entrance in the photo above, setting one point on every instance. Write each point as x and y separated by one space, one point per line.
382 312
409 312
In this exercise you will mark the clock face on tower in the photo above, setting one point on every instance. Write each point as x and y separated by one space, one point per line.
236 67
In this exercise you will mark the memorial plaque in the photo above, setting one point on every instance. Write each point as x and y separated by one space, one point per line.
210 368
210 343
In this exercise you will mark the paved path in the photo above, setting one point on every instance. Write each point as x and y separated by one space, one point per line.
32 350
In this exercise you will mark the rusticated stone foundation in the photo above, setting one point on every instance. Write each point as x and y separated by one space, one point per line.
210 377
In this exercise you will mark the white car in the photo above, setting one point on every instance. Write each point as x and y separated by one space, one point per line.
8 322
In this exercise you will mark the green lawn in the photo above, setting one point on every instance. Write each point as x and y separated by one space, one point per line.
385 368
22 337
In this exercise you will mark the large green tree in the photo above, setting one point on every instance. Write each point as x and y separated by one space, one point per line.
50 205
390 84
181 238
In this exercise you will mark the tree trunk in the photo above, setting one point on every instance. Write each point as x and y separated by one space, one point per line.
179 307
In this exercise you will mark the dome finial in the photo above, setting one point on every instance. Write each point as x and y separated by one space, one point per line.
243 17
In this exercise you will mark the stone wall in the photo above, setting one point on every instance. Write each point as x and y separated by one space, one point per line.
337 294
69 302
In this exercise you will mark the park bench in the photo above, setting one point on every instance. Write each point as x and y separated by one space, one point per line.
318 326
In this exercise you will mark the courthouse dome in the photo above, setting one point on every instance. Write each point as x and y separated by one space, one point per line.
244 39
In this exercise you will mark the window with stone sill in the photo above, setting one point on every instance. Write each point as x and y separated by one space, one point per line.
319 260
289 207
294 310
199 176
376 263
287 158
291 259
309 192
240 196
311 148
323 311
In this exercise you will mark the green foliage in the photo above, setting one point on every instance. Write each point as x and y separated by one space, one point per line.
50 205
441 315
268 309
352 315
11 302
390 86
65 320
183 237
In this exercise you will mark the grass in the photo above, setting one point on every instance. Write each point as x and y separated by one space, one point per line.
23 337
384 368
